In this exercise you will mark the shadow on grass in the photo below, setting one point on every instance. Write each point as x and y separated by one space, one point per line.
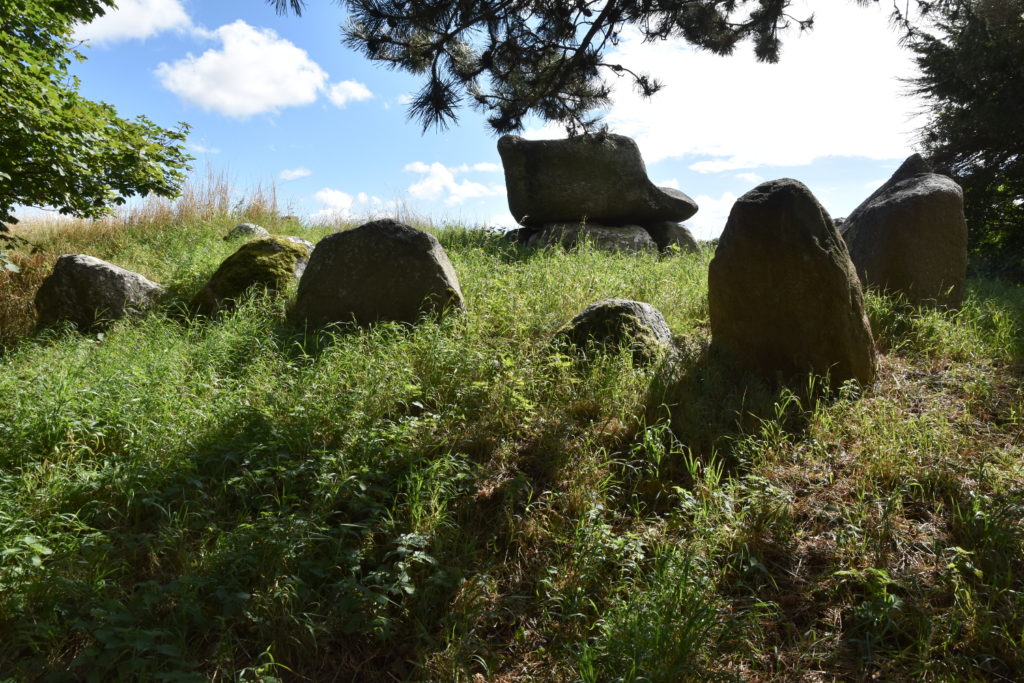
710 405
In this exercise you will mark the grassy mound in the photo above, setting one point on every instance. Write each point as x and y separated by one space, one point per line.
233 498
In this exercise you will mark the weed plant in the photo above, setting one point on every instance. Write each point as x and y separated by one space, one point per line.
240 499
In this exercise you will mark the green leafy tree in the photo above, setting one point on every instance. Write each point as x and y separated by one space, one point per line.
57 148
513 58
971 62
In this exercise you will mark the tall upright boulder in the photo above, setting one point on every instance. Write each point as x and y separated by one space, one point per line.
910 238
91 293
383 270
783 294
598 178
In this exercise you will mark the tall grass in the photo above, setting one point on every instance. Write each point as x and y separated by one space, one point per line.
240 499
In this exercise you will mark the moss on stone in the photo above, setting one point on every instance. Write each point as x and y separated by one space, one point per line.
270 263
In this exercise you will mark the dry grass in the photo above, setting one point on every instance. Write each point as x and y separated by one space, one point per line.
17 296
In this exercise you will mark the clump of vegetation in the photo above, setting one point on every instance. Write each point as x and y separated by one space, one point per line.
233 497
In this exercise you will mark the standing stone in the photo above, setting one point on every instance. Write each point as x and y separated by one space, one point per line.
383 270
668 234
247 231
782 292
626 238
598 178
91 293
270 264
612 323
910 238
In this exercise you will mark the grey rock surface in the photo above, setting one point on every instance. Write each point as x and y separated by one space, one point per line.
519 235
383 270
597 178
910 237
782 292
271 264
668 234
246 231
91 293
627 238
298 240
612 323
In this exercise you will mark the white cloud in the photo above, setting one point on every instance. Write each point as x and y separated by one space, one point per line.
486 167
135 19
671 182
719 165
439 183
343 92
203 149
253 72
334 201
750 177
295 173
501 220
709 221
341 205
828 96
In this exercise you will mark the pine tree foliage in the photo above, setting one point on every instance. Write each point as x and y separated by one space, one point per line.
971 61
515 58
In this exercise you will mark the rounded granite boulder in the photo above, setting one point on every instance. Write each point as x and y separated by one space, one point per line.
612 323
381 271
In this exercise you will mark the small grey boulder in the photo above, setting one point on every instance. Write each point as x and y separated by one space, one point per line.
246 231
91 293
383 270
612 323
298 240
910 238
782 293
625 238
668 234
597 178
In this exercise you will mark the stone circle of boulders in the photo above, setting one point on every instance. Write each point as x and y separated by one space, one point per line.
910 238
613 323
593 179
90 293
271 263
246 231
381 271
626 238
782 292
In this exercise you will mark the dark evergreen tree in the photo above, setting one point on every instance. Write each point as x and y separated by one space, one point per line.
512 58
971 61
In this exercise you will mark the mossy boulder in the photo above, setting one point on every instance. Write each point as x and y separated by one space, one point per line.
270 264
610 324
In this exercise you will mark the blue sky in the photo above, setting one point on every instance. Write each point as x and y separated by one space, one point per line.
274 98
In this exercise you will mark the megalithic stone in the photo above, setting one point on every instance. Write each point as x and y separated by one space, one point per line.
597 178
782 292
